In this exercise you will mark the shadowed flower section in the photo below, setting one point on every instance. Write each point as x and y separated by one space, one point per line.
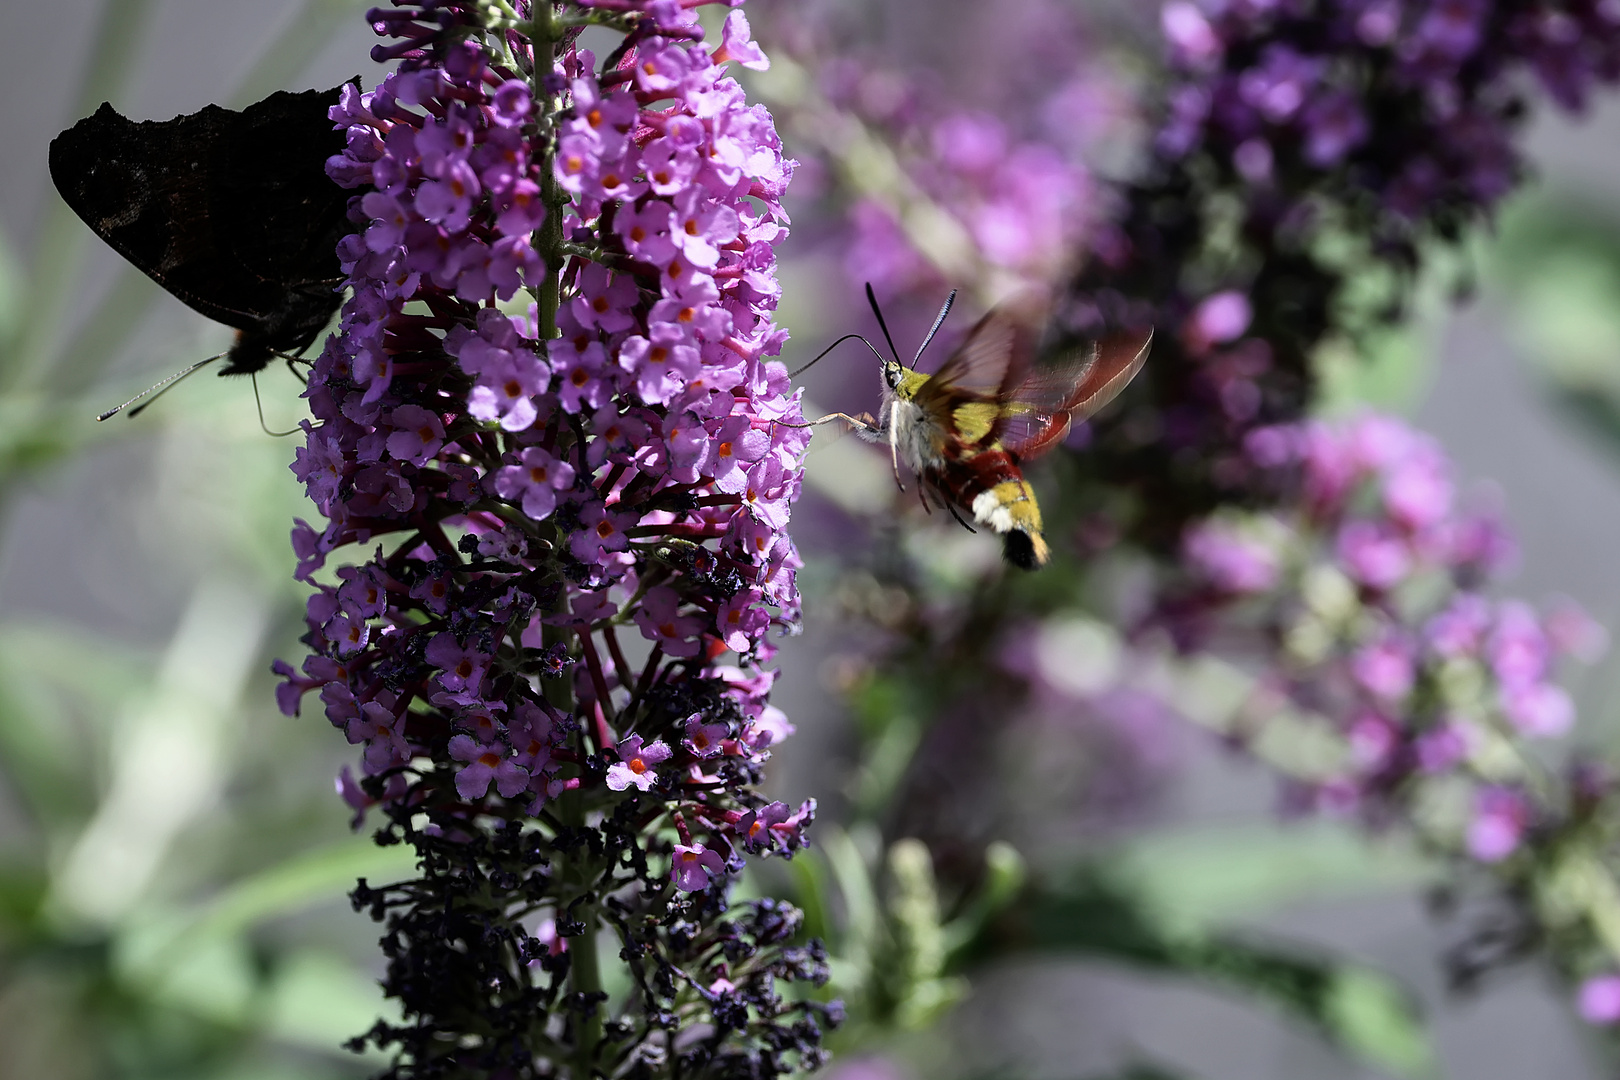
1306 159
1306 156
551 416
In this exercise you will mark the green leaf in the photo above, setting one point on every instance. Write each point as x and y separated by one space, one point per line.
1374 1019
318 1001
49 676
1195 878
812 893
302 881
1389 368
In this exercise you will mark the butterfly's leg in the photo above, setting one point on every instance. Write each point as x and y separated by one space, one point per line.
922 497
259 403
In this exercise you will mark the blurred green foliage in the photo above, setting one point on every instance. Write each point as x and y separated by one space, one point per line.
1559 263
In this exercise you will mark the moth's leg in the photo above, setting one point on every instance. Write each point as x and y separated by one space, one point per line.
952 508
894 444
862 422
922 497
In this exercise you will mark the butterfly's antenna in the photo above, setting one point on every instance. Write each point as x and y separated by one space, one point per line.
871 298
939 321
157 390
830 348
259 404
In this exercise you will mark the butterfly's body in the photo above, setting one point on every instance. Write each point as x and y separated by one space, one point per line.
966 430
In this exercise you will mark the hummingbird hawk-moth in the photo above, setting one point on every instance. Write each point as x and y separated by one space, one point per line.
966 430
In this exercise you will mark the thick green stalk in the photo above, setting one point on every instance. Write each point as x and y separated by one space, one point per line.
585 975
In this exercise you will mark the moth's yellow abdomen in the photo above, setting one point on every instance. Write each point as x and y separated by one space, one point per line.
1011 510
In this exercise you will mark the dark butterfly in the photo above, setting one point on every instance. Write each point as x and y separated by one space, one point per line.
231 212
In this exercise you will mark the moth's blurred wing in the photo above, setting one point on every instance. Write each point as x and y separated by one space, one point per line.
1038 412
993 356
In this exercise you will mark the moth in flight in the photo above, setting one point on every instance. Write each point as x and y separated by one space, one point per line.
966 429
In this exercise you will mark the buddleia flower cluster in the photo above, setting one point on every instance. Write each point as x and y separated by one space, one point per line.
1309 154
554 450
976 180
1373 591
1366 610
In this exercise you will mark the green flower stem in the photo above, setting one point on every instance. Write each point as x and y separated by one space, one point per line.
548 240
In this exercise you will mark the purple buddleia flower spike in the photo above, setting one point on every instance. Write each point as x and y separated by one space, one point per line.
552 416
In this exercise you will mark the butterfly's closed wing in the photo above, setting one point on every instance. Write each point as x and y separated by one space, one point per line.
231 212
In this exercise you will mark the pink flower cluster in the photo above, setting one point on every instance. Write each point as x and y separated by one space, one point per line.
624 457
1385 493
1368 596
1024 205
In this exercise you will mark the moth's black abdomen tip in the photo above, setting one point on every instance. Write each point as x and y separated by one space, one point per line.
1019 549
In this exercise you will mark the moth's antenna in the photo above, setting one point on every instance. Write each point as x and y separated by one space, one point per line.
155 391
939 320
871 298
259 403
830 348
